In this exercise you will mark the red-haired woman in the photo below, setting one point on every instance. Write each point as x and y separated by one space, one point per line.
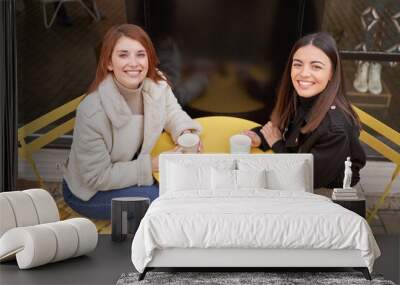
129 104
312 113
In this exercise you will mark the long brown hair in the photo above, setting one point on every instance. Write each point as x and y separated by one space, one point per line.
334 93
110 39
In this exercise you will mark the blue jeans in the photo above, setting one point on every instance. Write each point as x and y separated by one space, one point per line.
99 206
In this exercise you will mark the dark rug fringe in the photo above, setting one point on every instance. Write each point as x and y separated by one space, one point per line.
244 278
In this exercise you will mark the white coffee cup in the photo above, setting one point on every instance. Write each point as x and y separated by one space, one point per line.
189 143
240 144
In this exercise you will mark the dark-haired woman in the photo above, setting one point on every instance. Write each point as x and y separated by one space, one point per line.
128 105
312 113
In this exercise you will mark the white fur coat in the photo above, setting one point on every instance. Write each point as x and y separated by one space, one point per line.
101 152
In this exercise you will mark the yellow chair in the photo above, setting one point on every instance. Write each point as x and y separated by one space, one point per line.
26 149
383 149
215 135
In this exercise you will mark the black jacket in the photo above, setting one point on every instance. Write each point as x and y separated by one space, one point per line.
331 143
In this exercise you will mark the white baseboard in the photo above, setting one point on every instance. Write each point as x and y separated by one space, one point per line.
48 162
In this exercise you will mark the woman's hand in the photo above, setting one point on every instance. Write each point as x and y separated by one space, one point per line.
271 133
255 139
176 149
154 163
186 132
200 147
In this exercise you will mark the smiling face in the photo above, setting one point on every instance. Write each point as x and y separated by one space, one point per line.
311 71
129 62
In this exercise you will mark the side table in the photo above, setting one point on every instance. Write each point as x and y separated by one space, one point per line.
126 214
356 205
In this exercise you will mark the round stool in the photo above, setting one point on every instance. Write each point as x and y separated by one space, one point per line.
126 214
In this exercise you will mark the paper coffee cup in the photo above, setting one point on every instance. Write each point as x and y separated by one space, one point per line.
240 144
189 143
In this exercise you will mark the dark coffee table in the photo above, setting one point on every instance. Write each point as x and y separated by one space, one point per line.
126 214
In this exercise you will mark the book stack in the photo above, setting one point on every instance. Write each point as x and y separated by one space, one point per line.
344 194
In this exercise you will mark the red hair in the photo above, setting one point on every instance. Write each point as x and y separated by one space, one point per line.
110 39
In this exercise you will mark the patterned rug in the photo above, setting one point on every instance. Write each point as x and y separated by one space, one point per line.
244 278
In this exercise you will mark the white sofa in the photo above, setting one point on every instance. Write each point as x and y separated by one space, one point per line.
31 231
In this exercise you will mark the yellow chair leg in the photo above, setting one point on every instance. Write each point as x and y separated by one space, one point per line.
35 170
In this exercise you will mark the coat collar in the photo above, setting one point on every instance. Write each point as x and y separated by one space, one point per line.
115 106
